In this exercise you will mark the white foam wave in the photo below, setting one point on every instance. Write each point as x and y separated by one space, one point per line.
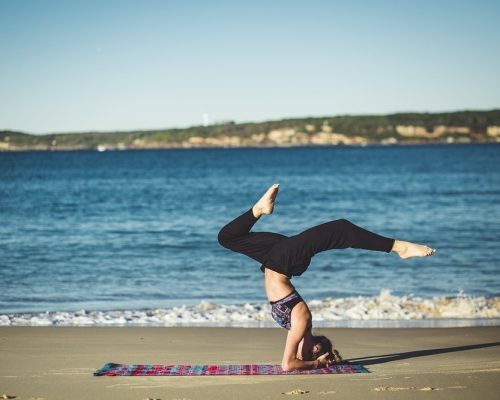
326 312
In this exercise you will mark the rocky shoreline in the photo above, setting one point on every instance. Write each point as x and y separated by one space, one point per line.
336 131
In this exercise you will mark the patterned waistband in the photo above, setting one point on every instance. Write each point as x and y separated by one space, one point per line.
288 297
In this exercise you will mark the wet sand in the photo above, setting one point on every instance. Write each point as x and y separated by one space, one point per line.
58 363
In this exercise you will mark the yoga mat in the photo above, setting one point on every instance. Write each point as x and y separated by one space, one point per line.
111 369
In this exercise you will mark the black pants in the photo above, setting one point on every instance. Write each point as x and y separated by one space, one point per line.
291 255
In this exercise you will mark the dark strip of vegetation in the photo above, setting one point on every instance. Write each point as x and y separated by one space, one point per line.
374 128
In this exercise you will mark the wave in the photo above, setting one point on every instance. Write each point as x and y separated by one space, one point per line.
326 312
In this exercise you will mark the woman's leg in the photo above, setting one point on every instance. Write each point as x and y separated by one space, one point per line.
339 234
236 235
293 255
342 234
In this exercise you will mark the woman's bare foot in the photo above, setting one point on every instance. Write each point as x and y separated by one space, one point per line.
266 203
408 249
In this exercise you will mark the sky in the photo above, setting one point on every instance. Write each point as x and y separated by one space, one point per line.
73 66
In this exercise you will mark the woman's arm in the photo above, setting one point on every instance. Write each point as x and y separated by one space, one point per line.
301 323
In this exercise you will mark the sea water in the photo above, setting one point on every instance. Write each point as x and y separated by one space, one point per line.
130 237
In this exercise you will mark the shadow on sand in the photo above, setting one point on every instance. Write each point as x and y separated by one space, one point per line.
385 358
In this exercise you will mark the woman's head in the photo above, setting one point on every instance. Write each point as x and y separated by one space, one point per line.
322 345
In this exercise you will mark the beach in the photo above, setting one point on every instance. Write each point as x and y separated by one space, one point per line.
58 363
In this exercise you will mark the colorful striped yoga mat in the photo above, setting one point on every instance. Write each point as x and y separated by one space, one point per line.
111 369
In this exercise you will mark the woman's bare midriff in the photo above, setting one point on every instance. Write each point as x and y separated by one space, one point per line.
277 285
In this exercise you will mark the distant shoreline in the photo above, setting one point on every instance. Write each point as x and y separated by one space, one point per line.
461 127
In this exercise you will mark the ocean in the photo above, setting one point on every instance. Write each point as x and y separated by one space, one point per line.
130 237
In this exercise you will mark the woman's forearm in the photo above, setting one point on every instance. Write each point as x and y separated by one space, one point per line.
299 364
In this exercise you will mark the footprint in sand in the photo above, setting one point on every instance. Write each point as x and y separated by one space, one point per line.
391 389
327 392
296 391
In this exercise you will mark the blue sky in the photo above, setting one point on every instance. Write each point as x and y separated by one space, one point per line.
120 65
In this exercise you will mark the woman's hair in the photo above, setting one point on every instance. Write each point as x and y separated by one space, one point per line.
325 346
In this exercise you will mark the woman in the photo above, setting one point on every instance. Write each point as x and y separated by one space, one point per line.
283 257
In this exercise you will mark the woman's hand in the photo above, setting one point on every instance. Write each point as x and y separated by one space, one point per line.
323 360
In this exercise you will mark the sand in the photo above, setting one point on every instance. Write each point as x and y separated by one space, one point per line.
58 363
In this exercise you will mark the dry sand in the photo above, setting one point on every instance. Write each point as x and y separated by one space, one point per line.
57 363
